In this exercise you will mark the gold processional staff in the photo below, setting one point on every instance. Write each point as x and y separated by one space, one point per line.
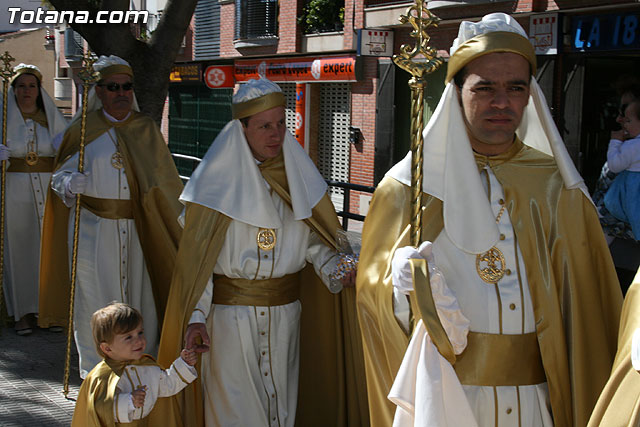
88 76
419 61
6 73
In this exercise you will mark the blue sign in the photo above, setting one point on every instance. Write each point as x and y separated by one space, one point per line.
605 32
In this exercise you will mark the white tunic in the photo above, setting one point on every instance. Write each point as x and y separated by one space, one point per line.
157 383
250 377
25 200
111 264
502 309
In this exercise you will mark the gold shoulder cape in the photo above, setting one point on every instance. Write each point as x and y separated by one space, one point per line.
575 291
331 383
619 403
94 407
155 188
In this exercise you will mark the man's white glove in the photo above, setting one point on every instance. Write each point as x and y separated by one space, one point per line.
401 269
5 152
77 183
455 324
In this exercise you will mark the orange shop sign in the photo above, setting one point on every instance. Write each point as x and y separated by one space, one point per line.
336 69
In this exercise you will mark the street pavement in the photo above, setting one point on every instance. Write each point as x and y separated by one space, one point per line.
31 376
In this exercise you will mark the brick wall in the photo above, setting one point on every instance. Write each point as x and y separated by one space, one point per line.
289 34
363 116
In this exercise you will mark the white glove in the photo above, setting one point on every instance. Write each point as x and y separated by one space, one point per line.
77 184
5 152
401 269
455 324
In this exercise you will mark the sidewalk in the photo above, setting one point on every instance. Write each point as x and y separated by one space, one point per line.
31 374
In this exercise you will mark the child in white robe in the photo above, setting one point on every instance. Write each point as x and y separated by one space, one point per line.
126 385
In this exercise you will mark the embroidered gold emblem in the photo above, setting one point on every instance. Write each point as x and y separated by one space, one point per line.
31 158
491 265
117 161
266 239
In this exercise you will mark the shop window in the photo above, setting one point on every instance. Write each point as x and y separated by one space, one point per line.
256 19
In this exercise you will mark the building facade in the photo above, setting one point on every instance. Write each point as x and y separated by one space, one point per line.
349 105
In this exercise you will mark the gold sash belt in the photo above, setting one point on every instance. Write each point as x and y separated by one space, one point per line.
500 360
108 208
17 164
267 292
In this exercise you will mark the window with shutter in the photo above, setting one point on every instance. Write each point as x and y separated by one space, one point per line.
256 19
207 43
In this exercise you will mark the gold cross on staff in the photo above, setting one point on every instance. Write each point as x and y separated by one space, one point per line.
87 74
420 19
7 70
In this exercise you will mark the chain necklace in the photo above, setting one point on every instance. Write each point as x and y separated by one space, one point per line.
491 264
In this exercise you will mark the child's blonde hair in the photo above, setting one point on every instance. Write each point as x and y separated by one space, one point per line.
116 318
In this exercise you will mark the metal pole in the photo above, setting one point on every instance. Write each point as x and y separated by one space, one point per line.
88 77
6 73
418 61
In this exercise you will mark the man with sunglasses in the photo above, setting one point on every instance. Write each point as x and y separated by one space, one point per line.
128 231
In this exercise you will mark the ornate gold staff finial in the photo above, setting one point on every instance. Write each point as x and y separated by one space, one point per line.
6 73
419 61
88 76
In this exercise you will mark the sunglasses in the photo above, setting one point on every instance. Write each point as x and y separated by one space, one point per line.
114 87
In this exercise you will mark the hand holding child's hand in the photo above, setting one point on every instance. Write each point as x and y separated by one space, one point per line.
189 356
137 396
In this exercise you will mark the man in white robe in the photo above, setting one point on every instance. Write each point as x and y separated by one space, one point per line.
251 206
526 302
128 230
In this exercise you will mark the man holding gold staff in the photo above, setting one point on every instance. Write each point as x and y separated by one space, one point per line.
516 300
128 231
257 211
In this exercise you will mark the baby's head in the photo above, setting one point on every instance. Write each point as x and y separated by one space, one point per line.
118 332
631 121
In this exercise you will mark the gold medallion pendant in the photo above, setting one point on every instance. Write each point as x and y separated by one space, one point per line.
491 265
266 239
117 161
31 158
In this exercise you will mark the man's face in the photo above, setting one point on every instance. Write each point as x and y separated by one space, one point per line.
265 133
493 98
116 100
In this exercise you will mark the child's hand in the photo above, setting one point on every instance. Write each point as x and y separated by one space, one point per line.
137 396
189 356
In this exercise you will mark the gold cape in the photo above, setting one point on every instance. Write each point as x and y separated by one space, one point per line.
575 291
619 403
94 407
155 187
332 389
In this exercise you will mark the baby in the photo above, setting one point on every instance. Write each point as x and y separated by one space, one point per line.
125 386
623 157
